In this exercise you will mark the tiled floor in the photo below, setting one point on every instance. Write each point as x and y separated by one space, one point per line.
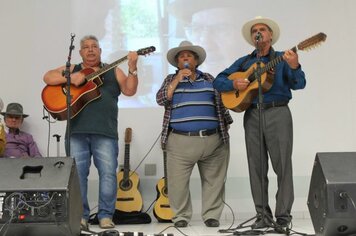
197 228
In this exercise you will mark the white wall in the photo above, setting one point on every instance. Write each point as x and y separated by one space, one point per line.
35 36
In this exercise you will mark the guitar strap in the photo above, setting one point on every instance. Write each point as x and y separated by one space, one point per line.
244 62
272 55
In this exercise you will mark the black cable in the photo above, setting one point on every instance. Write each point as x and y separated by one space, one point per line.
47 118
149 151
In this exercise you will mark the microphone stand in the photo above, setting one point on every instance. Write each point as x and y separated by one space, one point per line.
257 75
263 216
58 139
66 74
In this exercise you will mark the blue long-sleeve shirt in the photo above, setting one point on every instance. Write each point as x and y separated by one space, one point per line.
285 78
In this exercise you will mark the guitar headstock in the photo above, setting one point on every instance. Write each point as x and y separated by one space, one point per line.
312 42
145 51
128 135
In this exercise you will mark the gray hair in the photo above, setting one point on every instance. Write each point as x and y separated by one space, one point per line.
88 37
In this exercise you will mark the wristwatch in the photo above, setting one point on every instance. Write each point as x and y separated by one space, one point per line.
134 73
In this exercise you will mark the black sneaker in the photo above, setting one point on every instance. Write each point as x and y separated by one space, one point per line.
282 225
181 224
261 222
212 223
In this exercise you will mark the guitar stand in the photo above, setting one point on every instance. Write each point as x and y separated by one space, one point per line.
272 224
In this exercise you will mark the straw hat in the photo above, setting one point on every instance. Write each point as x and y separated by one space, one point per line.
246 29
186 46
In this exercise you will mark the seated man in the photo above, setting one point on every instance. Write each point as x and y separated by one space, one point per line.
18 143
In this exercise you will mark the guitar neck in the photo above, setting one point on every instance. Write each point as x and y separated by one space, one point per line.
127 162
105 69
165 169
274 62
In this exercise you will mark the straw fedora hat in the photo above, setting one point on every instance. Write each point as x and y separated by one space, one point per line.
246 28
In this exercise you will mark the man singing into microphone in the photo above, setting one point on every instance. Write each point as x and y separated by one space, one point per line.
195 131
276 120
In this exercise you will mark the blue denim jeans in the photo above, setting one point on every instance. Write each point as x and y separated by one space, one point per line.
104 151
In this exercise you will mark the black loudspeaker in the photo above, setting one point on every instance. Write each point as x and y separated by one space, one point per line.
332 194
39 197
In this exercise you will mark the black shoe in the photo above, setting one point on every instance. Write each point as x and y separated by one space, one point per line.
282 225
261 222
181 224
212 223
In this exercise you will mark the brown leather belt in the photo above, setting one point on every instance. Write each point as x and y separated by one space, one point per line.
201 133
270 105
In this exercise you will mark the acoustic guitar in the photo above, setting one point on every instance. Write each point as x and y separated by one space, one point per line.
162 210
239 101
54 97
128 198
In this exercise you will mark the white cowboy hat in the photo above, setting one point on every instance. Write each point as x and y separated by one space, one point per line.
246 29
185 46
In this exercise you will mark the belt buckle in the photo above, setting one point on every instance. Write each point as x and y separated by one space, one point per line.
201 133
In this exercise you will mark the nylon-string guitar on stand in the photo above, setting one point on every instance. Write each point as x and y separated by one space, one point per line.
129 198
162 210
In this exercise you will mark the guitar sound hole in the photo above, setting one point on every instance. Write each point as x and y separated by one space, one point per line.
125 184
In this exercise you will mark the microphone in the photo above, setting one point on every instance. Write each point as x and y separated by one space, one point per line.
186 66
258 36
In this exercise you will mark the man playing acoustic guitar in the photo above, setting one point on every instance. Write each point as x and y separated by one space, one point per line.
94 128
277 127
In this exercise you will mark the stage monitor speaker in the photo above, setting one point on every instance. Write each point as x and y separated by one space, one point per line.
39 197
332 194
